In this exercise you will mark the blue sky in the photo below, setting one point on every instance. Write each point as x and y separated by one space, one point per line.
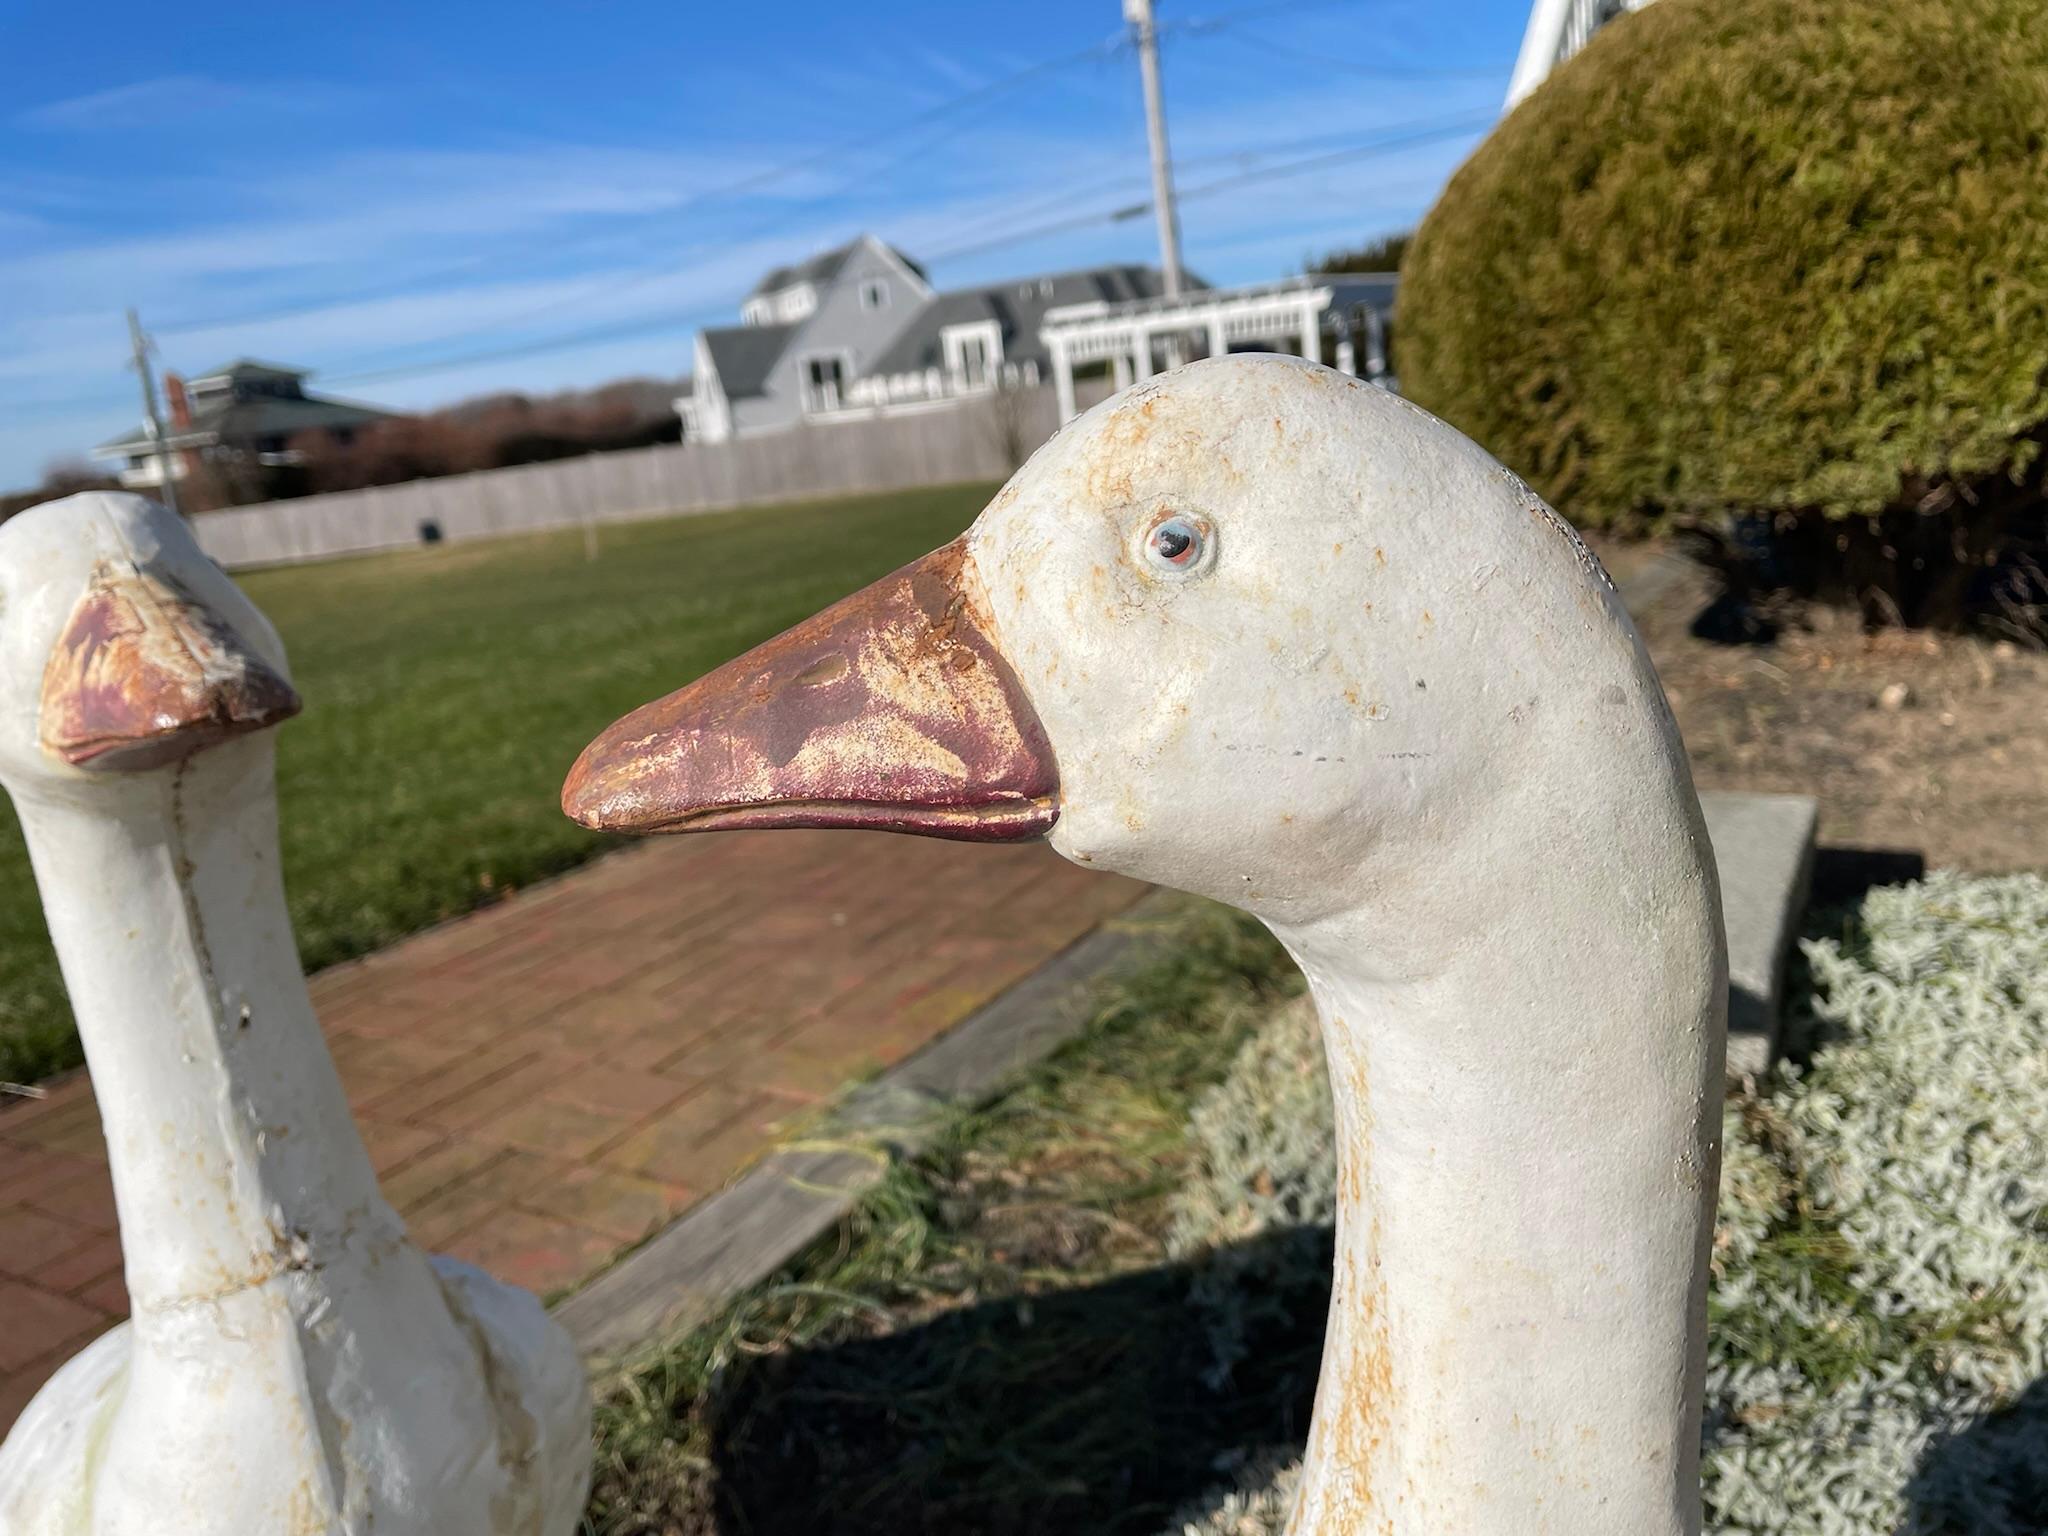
427 201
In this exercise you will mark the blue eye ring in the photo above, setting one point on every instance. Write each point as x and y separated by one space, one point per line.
1175 544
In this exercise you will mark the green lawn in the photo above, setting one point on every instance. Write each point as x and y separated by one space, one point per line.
448 691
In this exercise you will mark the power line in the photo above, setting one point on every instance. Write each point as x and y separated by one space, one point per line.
655 324
1243 156
611 284
1350 66
1401 138
1254 12
1422 134
753 180
1461 127
644 326
629 279
750 182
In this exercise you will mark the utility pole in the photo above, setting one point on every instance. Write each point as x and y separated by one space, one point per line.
1139 14
166 457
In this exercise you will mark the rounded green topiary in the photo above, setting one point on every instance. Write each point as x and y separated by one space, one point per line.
1756 255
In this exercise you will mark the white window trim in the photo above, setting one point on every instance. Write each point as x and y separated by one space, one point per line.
954 339
844 357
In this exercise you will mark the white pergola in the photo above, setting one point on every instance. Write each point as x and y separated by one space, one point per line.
1140 336
1558 29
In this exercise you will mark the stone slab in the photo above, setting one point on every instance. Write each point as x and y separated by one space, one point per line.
1764 847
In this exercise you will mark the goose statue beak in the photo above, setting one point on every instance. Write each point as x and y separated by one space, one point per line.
144 675
892 710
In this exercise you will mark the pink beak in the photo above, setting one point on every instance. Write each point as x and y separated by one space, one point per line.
892 709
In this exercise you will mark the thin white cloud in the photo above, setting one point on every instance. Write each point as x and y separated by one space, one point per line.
950 68
171 99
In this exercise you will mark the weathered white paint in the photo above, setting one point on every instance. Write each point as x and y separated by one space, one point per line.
293 1364
1396 711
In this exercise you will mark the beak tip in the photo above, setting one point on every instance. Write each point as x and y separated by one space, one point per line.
585 799
270 701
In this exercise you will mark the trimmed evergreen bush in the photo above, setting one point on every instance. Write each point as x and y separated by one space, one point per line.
1765 256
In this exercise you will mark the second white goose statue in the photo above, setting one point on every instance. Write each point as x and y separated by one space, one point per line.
293 1365
1258 631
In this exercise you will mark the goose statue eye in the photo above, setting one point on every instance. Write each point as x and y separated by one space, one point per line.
1174 544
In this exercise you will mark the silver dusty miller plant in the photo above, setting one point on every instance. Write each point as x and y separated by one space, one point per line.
1267 1164
1880 1298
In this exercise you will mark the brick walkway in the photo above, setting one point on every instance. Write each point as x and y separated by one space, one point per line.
543 1084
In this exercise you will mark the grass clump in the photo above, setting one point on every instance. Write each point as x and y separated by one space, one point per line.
988 1344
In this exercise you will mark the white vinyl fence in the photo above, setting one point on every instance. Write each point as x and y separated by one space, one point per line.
976 440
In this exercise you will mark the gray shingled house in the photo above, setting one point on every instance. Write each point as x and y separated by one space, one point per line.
857 330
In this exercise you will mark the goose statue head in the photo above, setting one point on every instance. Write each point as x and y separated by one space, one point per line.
123 649
292 1361
1257 631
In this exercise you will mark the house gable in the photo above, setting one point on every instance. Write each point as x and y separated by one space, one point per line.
791 294
873 294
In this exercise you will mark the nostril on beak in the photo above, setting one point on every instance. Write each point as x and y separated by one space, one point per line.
827 670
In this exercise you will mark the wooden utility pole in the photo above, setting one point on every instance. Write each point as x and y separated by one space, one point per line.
166 457
1139 14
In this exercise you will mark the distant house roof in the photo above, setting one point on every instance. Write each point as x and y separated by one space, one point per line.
225 412
744 355
1017 306
248 368
823 267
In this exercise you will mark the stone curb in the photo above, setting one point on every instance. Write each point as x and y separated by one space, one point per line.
794 1196
1764 845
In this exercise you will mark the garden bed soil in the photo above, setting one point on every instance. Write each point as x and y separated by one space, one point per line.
1914 743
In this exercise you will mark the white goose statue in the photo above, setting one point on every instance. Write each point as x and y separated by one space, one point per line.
1257 631
293 1364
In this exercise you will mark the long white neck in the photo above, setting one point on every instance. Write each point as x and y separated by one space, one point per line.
1527 1081
234 1157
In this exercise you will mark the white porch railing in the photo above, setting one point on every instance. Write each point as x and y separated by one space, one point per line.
884 394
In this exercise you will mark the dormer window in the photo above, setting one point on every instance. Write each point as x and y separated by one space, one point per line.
874 294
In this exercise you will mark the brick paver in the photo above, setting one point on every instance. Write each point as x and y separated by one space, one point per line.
544 1083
